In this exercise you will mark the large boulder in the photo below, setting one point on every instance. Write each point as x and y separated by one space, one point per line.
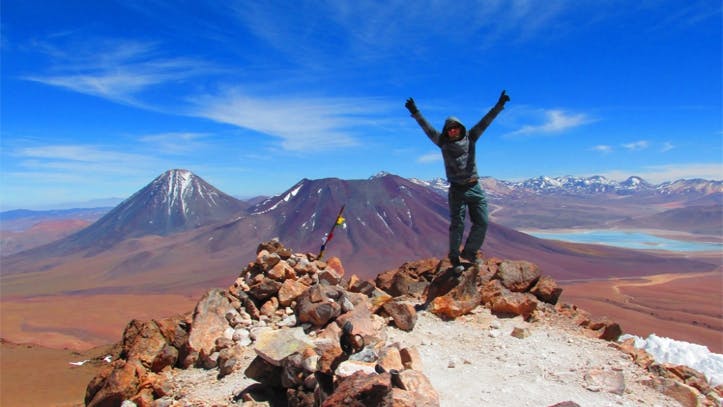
514 304
362 389
461 299
546 290
319 304
412 278
209 322
275 345
120 381
517 276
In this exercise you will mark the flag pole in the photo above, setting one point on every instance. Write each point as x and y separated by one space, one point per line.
339 220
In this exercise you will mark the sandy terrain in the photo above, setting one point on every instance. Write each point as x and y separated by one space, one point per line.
685 307
35 376
81 322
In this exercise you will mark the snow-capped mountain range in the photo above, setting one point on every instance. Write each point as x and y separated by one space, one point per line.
585 185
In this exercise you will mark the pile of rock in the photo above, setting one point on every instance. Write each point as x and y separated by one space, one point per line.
507 287
316 339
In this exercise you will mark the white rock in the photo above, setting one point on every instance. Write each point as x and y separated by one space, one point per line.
349 367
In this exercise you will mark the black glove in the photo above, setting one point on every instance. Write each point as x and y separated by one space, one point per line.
411 106
503 98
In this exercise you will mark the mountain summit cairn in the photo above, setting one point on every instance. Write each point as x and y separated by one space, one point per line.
293 330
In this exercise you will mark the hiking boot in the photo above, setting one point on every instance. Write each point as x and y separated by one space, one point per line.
454 260
472 258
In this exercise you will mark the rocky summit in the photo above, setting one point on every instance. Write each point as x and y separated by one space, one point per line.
294 330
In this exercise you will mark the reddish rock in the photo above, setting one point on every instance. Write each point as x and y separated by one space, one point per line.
289 291
270 307
264 289
691 377
639 356
334 263
514 304
606 329
686 395
362 389
209 321
411 359
391 358
517 276
403 314
459 300
121 383
412 278
329 276
378 298
356 285
418 384
329 352
366 324
547 290
491 290
281 271
318 305
143 341
175 329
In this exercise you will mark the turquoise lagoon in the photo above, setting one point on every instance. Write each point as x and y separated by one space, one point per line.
627 239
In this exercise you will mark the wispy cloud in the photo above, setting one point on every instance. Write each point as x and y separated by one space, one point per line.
117 70
80 159
667 146
429 158
302 124
175 142
602 148
552 121
636 145
363 30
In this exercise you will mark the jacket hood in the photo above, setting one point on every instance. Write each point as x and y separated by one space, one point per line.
453 120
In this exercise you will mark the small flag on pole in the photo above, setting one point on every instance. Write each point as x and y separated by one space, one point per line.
327 238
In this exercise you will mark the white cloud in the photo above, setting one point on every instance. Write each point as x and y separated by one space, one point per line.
302 124
602 148
114 70
430 158
636 145
175 142
667 146
553 121
78 161
670 172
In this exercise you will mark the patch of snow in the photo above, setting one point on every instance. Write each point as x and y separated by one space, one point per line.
698 357
385 222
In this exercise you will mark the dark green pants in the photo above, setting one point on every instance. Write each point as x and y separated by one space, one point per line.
462 198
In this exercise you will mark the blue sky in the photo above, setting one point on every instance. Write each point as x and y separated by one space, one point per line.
100 97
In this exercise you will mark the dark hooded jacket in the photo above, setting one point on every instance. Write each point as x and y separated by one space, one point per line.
460 155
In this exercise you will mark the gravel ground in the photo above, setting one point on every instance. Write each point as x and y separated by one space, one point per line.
475 361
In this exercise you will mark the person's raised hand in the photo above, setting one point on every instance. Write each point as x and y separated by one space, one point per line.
504 98
411 106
